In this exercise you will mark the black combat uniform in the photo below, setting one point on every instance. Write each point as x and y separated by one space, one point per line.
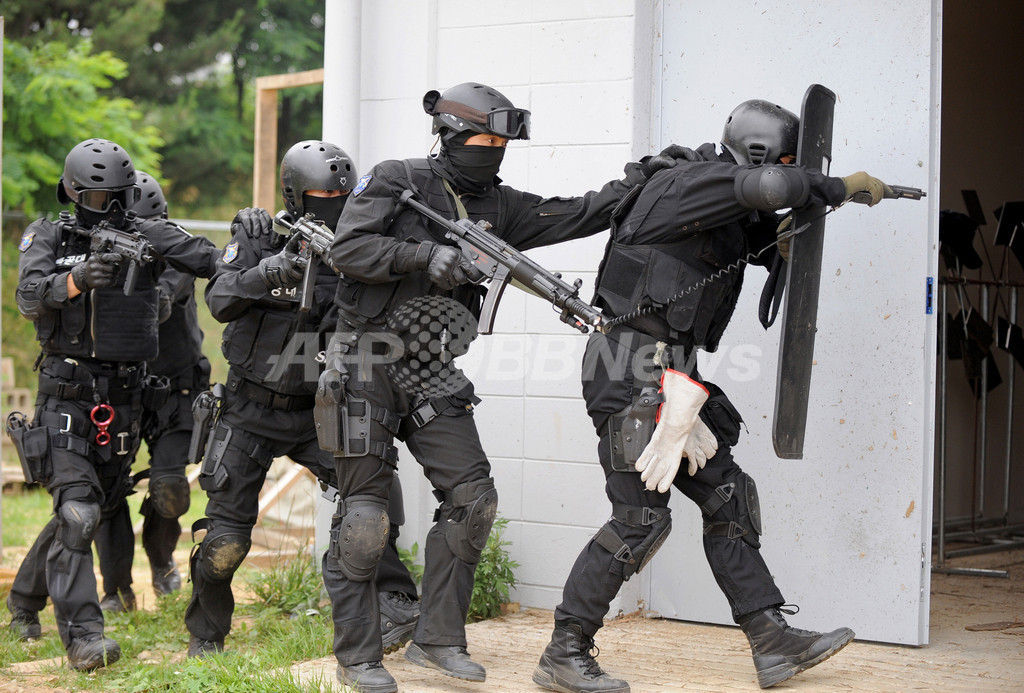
272 348
167 431
94 352
439 431
686 226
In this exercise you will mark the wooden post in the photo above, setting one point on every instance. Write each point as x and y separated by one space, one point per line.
265 192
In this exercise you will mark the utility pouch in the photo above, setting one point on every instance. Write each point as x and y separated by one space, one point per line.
213 476
32 446
721 416
330 411
205 412
632 428
155 392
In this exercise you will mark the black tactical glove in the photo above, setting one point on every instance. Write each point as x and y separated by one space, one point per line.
649 165
253 222
666 158
98 271
445 264
674 151
284 270
449 268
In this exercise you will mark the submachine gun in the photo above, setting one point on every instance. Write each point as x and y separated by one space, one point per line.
314 242
502 264
132 246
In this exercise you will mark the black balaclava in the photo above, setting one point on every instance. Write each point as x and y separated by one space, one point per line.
472 168
326 210
115 216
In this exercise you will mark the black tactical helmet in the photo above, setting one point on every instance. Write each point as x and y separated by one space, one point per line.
152 203
476 107
759 132
97 174
314 165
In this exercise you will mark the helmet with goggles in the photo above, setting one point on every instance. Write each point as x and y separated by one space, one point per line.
98 176
760 132
478 108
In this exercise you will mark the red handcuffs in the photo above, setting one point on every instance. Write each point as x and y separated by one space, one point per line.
102 410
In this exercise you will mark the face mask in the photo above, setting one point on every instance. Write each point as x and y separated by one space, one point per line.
476 164
326 210
115 216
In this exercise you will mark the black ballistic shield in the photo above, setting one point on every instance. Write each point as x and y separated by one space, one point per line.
803 278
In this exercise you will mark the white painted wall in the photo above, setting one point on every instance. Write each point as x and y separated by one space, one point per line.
838 516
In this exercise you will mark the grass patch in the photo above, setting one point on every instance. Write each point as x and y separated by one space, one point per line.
264 642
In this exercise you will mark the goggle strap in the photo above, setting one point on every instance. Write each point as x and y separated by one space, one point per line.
460 110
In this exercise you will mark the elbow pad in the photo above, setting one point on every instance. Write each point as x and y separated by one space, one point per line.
772 187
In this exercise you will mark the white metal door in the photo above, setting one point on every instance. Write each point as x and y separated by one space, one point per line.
847 529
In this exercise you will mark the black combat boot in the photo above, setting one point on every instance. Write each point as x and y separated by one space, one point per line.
568 666
201 648
448 659
92 651
166 578
368 677
398 617
122 600
24 622
781 652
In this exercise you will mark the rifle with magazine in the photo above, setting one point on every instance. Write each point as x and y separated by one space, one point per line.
501 264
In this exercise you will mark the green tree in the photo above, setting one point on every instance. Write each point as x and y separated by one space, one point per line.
191 66
54 98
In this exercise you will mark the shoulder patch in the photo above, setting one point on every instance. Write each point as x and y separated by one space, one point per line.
230 251
26 241
361 185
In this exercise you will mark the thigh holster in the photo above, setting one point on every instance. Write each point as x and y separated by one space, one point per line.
631 429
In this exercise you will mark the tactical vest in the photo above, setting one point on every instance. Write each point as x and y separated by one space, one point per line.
686 284
103 323
374 300
257 341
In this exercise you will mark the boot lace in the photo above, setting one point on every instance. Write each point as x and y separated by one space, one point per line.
587 657
792 610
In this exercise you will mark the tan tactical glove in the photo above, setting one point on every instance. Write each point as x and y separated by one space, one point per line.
862 182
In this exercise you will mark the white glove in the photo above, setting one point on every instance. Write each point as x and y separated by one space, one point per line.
700 447
659 461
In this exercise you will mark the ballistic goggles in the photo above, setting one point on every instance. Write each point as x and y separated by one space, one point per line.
511 123
102 200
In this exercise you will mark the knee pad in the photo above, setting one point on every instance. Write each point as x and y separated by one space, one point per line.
169 495
396 502
734 520
77 523
633 560
221 555
466 518
359 535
